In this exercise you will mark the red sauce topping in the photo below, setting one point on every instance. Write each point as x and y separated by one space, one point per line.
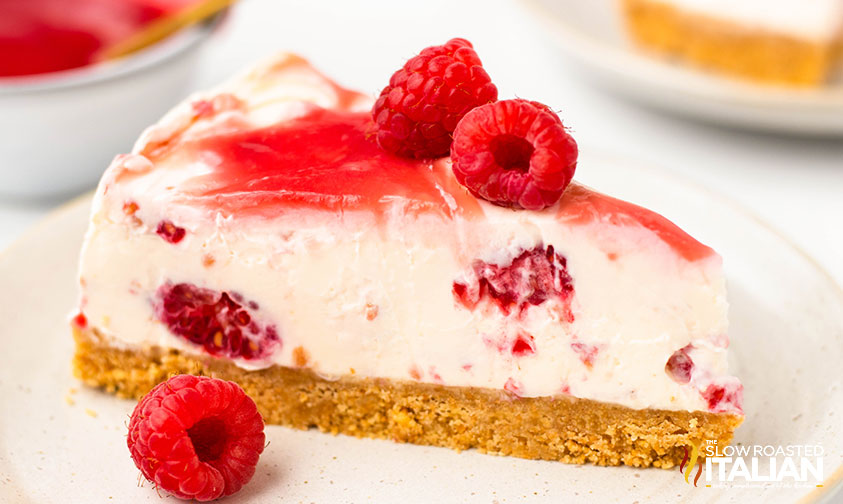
325 158
581 205
329 159
40 36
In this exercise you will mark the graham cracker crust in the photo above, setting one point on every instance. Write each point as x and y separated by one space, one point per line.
492 421
717 44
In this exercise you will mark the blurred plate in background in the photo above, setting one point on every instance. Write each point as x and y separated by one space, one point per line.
591 34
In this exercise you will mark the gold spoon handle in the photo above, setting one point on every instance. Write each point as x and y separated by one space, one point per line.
164 27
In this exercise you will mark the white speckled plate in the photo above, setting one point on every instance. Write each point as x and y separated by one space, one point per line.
591 35
61 442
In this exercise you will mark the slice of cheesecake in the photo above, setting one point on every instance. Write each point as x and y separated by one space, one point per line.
259 234
791 42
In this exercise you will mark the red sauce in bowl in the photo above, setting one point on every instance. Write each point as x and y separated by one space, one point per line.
42 36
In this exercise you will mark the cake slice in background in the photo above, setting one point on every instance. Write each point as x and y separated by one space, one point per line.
790 42
258 233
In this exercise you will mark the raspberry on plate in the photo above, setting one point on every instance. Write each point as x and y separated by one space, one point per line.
514 153
196 437
419 109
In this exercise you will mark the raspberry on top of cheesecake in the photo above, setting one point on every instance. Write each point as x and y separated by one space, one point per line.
261 233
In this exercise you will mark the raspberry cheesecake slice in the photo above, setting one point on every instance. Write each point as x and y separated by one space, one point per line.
261 233
782 42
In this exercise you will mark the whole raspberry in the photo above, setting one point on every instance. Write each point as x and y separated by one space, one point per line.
514 153
419 109
196 437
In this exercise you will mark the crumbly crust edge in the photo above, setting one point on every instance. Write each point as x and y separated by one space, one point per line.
492 421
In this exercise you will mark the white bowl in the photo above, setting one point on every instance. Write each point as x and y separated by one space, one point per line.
59 131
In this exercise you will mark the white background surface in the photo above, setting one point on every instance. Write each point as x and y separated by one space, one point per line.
795 184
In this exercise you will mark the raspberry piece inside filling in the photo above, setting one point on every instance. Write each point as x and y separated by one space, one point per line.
170 232
722 398
221 322
587 353
533 277
679 366
524 345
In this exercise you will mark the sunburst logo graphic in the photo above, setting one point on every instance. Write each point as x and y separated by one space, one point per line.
689 461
